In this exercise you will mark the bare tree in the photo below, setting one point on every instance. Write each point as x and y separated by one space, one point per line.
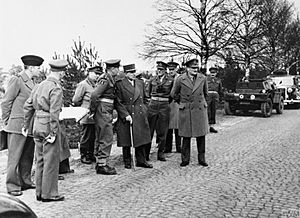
248 45
184 27
277 17
291 46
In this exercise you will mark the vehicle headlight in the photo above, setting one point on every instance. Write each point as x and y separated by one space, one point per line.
236 94
289 90
241 96
252 97
263 91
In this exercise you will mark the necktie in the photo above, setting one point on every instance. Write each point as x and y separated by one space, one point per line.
193 79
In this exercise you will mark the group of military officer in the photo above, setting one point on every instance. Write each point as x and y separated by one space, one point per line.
22 101
177 103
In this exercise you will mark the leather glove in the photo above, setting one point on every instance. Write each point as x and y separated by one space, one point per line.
114 120
129 118
50 139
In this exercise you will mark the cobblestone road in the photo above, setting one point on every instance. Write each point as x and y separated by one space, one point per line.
254 168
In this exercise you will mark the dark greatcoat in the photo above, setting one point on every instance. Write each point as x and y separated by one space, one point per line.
130 101
193 120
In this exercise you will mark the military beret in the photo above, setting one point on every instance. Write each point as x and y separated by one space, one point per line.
96 69
161 65
32 60
112 63
193 63
58 64
172 65
129 68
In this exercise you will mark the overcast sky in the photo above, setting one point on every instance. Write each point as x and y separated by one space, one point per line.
43 27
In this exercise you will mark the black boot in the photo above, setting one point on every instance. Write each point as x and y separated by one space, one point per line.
213 130
84 156
161 156
85 159
201 159
127 164
105 170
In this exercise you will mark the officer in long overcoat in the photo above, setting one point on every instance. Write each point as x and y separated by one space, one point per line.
46 101
130 98
20 148
190 90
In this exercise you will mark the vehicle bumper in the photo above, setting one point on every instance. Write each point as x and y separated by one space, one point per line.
292 101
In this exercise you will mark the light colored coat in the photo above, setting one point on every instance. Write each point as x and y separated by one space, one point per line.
17 93
82 97
193 120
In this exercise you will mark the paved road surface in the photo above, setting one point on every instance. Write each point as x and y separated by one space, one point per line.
254 166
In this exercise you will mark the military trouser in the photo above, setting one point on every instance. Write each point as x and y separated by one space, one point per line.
211 110
87 140
169 141
140 154
19 161
104 132
64 166
158 118
47 167
186 147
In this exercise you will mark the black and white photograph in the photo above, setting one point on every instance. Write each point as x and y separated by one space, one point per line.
150 108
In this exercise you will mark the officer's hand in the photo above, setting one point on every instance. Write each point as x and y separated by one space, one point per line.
114 120
24 132
129 118
50 139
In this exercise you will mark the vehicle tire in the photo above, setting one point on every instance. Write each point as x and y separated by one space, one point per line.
266 108
229 110
280 106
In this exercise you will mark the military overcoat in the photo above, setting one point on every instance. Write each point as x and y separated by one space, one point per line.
130 101
18 91
193 120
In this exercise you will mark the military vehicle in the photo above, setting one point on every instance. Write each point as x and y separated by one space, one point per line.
290 85
255 94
